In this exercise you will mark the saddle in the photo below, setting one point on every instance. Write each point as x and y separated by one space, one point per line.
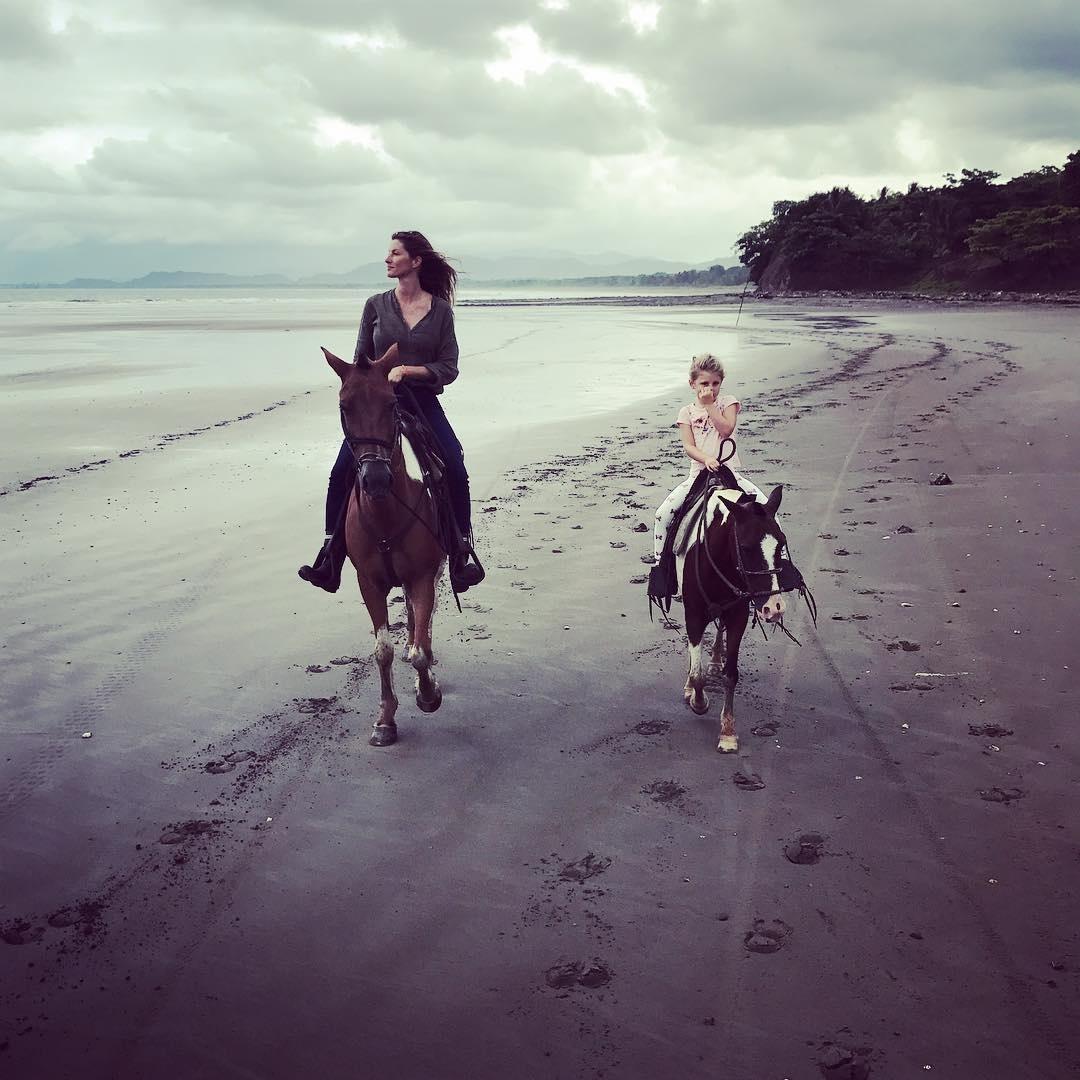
663 580
433 469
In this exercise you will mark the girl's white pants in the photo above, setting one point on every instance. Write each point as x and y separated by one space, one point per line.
666 514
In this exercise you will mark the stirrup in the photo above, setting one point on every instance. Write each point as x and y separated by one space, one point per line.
465 568
325 572
663 583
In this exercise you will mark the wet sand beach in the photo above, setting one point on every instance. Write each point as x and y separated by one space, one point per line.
556 875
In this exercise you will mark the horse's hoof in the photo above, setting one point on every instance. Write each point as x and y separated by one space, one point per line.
384 735
728 744
431 704
698 710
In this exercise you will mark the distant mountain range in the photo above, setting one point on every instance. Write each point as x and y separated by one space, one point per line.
544 266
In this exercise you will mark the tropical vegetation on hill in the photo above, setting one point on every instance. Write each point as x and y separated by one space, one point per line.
971 233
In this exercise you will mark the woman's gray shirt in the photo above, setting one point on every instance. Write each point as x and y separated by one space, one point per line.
431 342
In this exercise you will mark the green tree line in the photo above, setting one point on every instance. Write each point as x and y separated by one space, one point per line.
972 232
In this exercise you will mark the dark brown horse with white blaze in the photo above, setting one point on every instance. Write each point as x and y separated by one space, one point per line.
732 557
390 529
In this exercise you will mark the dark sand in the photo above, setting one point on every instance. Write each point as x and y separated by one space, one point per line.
556 875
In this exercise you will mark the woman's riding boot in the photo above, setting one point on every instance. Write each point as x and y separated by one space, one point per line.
325 572
465 568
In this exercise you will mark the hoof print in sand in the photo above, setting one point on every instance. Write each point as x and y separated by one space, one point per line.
184 830
766 936
1002 795
764 731
312 705
21 932
989 731
664 791
653 727
590 974
805 849
316 669
217 767
588 866
748 781
844 1063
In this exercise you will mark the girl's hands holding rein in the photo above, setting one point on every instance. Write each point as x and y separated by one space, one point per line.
396 374
712 464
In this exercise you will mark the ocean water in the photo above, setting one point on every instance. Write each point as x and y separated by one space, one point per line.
88 376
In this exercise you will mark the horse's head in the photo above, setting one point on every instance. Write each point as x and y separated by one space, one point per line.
368 417
758 545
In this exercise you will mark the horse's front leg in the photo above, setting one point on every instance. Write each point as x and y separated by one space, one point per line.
410 625
694 691
734 627
422 604
384 732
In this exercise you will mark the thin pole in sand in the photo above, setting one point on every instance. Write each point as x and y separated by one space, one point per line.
742 297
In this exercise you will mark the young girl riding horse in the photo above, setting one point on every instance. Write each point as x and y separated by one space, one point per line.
704 424
417 316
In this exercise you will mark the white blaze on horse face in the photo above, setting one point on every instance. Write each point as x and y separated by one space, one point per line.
773 606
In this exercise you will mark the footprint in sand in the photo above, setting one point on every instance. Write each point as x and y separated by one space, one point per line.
766 936
85 913
906 646
805 849
1001 795
240 755
591 974
316 669
184 830
748 781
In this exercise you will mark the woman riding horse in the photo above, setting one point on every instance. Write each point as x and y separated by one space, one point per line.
417 316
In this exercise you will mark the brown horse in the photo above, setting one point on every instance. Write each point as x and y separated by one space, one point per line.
732 554
390 529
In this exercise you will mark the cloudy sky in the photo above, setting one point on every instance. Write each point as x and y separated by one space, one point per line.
292 136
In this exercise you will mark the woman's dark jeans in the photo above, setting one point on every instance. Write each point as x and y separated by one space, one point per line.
344 470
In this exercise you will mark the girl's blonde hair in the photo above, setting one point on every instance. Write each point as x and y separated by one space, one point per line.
706 362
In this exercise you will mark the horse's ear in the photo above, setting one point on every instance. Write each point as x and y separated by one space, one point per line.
773 503
388 360
728 503
342 367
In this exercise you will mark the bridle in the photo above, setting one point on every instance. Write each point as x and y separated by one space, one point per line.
353 441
